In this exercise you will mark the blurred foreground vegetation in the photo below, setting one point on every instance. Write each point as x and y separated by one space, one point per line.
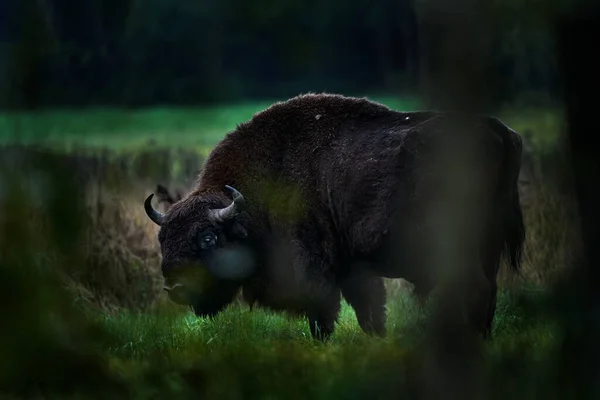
85 317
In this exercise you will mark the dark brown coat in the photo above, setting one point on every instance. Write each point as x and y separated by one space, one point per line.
334 192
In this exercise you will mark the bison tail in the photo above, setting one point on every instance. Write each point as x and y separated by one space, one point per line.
513 226
514 234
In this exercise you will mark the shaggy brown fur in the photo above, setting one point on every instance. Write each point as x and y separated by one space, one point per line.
335 194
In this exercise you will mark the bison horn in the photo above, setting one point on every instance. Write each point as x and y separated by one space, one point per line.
156 216
229 212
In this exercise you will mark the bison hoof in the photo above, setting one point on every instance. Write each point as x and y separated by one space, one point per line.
320 331
379 331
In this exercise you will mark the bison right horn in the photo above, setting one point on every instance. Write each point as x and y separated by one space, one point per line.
156 216
229 212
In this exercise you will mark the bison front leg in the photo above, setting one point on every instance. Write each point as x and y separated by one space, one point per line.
300 280
366 294
324 314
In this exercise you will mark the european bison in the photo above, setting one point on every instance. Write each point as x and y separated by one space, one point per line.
323 195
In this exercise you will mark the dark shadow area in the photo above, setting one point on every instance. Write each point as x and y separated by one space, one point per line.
65 53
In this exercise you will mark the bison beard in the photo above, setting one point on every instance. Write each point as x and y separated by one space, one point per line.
322 196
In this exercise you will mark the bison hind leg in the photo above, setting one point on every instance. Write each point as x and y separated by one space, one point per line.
422 292
492 298
487 332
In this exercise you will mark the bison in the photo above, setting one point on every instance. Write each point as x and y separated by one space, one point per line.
322 196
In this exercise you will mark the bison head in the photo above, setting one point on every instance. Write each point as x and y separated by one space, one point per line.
205 257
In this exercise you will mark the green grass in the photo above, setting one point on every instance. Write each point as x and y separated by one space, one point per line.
200 128
545 125
263 354
197 128
175 333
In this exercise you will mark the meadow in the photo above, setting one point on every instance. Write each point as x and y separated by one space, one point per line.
86 316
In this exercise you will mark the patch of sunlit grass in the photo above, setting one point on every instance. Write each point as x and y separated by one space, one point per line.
192 127
260 351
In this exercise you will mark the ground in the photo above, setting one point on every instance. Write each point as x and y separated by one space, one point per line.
115 333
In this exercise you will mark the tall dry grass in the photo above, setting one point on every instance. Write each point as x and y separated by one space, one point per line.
548 204
120 263
122 258
78 218
550 213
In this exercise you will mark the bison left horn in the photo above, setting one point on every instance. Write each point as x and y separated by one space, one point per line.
156 216
229 212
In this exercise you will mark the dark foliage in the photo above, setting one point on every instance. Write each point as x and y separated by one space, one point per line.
135 53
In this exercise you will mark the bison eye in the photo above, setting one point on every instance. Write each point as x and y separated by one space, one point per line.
207 240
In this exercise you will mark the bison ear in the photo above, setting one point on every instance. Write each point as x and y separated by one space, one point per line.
163 195
238 230
178 195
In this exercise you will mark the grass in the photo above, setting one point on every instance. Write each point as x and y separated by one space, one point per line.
179 333
261 354
142 347
200 128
